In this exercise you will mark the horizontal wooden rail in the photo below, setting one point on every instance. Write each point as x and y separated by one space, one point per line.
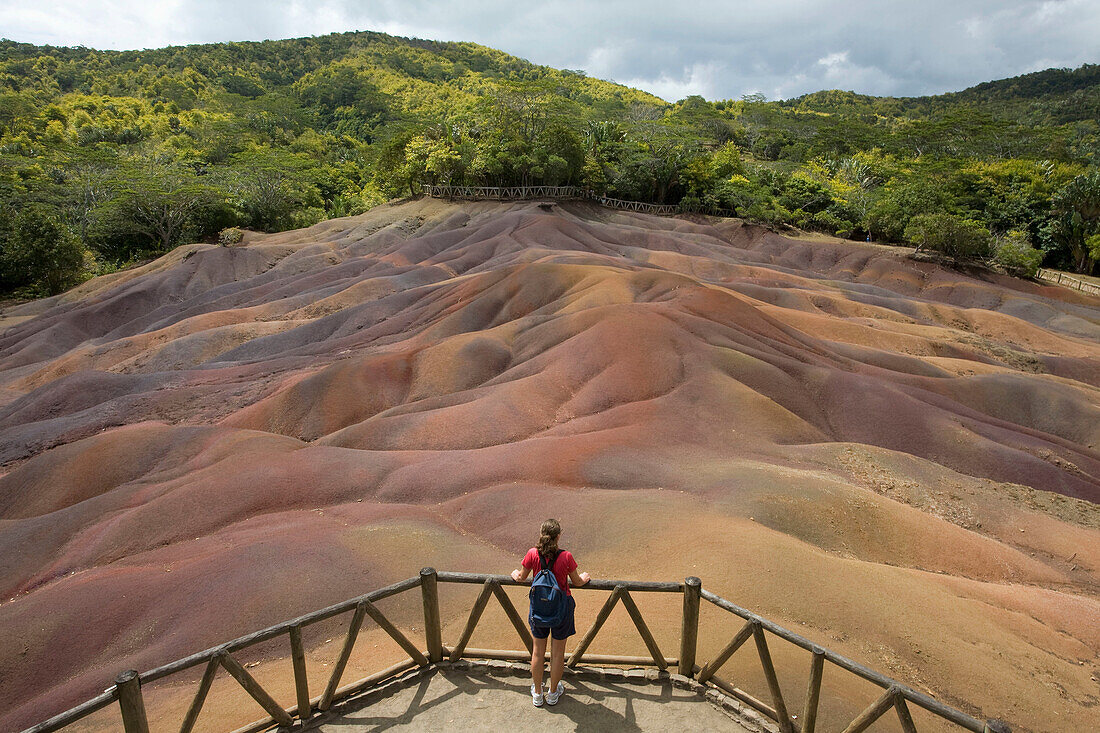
1061 278
631 585
934 706
127 690
618 660
506 192
737 693
526 193
272 631
74 714
344 692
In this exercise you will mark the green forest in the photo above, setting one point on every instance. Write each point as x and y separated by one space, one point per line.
108 158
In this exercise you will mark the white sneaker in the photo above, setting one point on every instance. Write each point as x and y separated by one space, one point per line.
537 697
553 695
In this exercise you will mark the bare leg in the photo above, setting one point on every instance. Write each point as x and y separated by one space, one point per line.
557 662
538 660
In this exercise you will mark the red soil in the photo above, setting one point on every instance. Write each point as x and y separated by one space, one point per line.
195 449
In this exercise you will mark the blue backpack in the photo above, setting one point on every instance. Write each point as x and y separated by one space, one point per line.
547 597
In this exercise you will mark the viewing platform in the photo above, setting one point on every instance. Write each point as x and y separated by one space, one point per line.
441 686
495 696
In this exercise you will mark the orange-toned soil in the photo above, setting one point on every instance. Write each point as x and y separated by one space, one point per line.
898 460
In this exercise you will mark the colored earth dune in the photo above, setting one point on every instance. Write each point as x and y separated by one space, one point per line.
897 459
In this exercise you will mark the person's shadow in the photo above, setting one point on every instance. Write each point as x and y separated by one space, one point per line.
587 703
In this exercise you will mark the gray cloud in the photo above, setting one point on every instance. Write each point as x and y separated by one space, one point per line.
718 49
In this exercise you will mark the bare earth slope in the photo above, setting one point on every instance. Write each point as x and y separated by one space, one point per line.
902 457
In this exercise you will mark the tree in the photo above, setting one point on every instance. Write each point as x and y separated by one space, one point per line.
154 208
88 185
661 154
960 239
1076 220
41 251
270 189
802 192
889 215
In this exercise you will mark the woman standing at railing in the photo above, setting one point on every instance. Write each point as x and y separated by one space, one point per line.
546 555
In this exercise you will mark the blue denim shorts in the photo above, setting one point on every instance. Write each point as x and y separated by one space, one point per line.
563 630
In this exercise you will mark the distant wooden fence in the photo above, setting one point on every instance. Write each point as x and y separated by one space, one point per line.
506 193
127 688
562 193
1061 278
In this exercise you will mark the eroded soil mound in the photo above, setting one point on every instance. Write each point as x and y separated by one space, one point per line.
228 437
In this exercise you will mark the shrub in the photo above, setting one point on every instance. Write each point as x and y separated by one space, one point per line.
690 203
230 235
826 221
960 239
1015 255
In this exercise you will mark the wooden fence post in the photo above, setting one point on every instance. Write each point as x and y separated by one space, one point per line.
131 703
813 691
689 630
301 681
433 630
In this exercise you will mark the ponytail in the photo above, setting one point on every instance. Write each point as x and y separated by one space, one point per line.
548 537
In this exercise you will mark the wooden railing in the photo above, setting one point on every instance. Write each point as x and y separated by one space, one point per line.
1061 278
127 690
506 193
563 193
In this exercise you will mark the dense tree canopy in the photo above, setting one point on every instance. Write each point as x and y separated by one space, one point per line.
128 154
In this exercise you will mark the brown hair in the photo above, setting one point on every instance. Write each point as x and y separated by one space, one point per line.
548 537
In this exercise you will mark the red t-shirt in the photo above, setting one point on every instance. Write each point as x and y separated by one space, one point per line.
564 565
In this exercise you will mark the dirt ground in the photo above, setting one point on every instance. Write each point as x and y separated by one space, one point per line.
897 460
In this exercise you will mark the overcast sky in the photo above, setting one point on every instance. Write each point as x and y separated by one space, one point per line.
720 50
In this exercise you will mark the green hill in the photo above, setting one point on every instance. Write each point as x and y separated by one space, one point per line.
108 156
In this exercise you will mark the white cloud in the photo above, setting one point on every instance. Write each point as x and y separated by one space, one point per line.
699 78
834 60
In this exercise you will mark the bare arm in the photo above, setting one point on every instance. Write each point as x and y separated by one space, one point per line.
577 579
520 574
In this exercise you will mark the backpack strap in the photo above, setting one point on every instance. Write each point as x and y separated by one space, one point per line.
552 563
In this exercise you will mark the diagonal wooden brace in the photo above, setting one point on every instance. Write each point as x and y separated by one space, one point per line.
471 623
395 634
712 666
252 687
200 696
873 712
589 635
513 615
342 660
640 624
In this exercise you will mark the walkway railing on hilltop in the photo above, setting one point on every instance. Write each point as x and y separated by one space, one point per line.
561 193
1061 278
127 690
506 193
